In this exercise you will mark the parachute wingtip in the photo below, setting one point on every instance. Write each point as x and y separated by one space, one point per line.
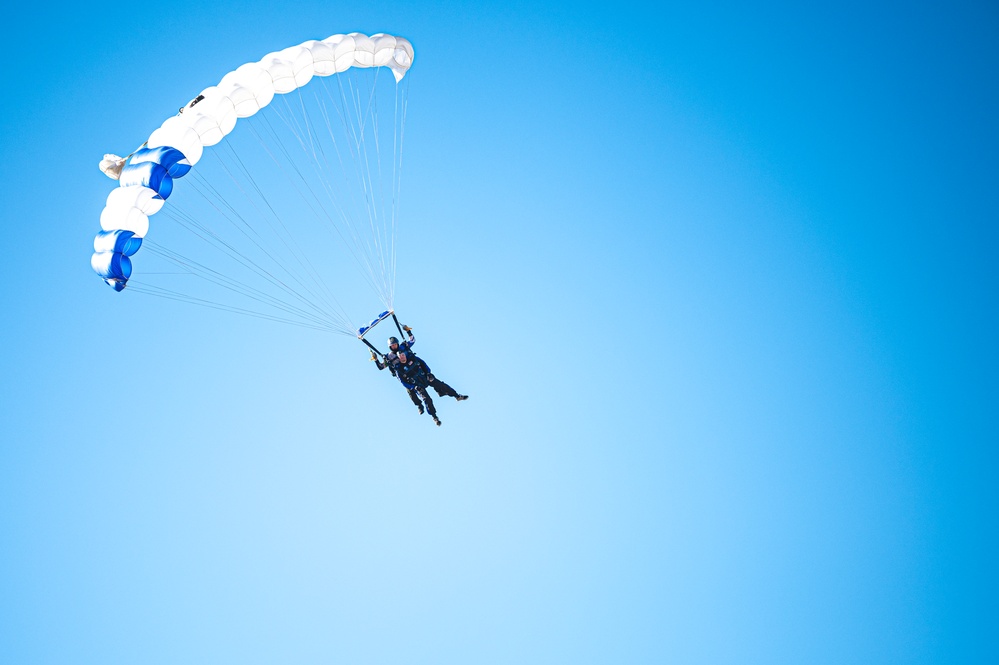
112 165
116 284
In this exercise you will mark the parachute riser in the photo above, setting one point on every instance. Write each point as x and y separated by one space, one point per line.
398 327
372 347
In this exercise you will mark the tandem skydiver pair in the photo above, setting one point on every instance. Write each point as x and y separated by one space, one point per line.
414 374
412 371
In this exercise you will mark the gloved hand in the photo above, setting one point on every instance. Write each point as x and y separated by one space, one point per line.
407 329
373 356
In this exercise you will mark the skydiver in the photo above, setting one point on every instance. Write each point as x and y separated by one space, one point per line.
391 360
413 377
391 365
395 346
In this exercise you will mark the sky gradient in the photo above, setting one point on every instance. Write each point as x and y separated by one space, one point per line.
720 281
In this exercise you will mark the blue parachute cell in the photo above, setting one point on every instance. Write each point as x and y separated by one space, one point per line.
112 265
123 242
171 159
148 174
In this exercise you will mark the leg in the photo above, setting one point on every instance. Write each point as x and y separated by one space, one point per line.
431 409
416 400
443 389
422 392
412 395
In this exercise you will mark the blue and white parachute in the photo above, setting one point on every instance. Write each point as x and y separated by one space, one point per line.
356 155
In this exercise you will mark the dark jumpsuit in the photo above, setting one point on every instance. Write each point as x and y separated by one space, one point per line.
414 378
392 358
392 363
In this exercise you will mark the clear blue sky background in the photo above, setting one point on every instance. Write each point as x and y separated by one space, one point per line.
719 278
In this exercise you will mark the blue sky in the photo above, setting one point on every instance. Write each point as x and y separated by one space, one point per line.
719 280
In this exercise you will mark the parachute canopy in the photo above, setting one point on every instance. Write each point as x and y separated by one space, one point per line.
146 178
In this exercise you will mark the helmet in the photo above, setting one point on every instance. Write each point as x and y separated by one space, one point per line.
393 340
